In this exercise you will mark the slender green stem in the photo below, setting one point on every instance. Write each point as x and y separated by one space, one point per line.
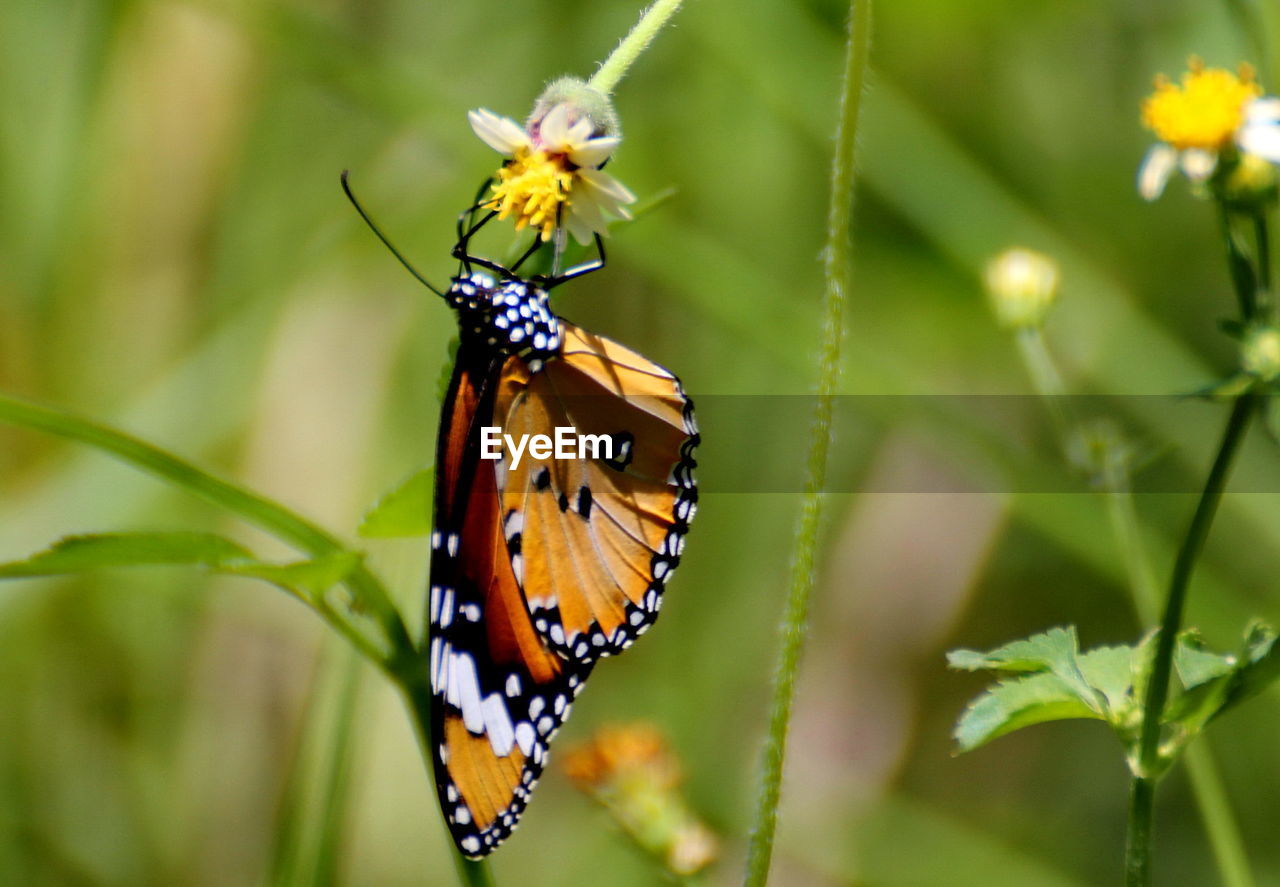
1150 765
1137 859
836 270
270 516
1206 782
1243 278
1128 532
1046 380
612 70
1219 819
1171 623
1263 243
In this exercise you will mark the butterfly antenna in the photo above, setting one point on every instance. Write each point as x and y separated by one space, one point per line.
346 187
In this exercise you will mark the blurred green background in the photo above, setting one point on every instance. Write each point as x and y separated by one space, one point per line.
176 258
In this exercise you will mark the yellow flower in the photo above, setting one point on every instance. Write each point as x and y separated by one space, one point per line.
553 177
1212 112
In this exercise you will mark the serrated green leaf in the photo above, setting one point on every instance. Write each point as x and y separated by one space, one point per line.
1195 664
1109 670
1016 703
76 554
405 511
1036 653
1255 668
1055 650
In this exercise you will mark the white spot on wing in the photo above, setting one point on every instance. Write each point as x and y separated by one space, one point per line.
468 692
497 722
525 737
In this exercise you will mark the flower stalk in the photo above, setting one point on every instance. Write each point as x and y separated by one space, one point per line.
1150 761
836 267
1250 278
614 68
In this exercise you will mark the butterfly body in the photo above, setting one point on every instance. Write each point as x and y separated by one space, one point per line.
544 566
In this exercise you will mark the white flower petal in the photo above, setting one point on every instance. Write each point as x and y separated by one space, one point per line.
1199 164
1261 140
578 134
580 230
1155 169
553 131
608 184
1263 110
593 152
584 206
502 134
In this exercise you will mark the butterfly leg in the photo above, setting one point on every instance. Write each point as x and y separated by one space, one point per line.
579 270
533 248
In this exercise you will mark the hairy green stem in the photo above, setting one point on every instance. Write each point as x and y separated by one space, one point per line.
1150 765
836 267
612 69
270 516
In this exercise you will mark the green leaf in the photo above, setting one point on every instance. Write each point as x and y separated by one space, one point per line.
76 554
1055 651
313 577
1230 387
1109 670
1195 664
1016 703
405 511
1057 682
1250 672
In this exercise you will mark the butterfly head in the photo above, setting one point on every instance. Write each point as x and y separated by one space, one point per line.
512 316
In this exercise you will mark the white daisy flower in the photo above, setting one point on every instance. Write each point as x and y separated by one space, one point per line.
1212 112
553 177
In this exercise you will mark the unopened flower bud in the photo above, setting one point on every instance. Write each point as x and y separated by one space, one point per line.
1260 353
1022 285
1252 183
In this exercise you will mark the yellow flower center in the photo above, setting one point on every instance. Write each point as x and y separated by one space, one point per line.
532 187
1204 111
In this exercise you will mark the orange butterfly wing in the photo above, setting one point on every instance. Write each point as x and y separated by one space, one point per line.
594 540
498 695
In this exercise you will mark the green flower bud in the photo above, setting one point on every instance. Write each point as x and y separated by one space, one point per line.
1251 182
584 102
1022 285
1260 353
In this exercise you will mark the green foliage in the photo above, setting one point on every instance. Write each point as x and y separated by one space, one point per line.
404 511
1217 682
1055 681
76 554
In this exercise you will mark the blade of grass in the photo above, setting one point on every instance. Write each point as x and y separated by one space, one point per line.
837 271
262 512
314 800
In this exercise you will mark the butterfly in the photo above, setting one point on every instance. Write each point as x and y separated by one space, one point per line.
540 566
